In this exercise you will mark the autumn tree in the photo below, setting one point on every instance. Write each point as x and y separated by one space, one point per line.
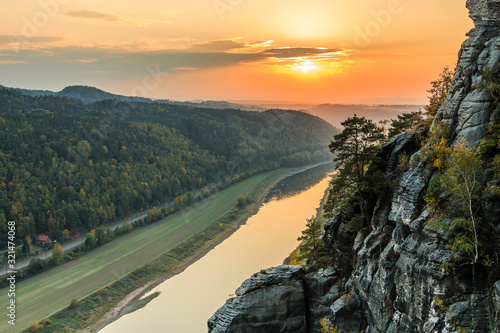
439 91
354 149
436 149
65 235
35 327
461 181
57 254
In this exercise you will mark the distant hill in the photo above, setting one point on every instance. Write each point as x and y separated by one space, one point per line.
86 94
89 95
335 114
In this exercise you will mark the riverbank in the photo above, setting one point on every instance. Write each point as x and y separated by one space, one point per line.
201 235
188 299
138 299
318 217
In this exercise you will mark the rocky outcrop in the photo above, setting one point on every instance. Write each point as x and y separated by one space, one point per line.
390 278
470 106
270 301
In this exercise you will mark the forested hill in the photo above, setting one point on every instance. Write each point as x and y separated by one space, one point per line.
66 165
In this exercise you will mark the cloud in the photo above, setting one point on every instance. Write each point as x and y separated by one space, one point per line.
11 62
294 52
104 72
231 52
122 59
259 43
18 39
217 46
114 19
82 60
91 14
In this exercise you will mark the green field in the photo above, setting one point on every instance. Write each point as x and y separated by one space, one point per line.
40 296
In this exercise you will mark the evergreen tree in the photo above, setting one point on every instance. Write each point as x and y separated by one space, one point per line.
354 149
405 122
310 240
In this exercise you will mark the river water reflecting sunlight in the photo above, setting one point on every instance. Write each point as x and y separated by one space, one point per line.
188 299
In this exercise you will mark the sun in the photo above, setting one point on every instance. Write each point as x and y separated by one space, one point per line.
310 67
306 67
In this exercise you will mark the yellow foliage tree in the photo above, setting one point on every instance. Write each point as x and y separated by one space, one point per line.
439 91
35 327
57 254
327 327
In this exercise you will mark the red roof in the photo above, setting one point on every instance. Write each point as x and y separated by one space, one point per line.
44 239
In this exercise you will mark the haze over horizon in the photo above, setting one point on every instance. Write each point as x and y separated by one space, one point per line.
384 51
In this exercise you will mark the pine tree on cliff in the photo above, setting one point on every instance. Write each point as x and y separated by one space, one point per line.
355 149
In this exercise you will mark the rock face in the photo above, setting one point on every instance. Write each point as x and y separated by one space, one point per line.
390 278
469 105
270 301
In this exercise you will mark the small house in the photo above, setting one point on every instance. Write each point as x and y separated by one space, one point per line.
43 240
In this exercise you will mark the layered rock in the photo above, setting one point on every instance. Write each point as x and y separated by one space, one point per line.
270 301
390 279
470 106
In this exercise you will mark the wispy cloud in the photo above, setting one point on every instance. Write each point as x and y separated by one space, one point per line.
225 45
104 72
91 14
11 62
17 39
81 60
114 19
293 52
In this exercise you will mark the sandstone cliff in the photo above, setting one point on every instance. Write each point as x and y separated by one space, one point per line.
389 279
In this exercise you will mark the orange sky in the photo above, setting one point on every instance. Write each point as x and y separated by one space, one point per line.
316 51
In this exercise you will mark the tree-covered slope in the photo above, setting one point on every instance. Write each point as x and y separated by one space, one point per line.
67 165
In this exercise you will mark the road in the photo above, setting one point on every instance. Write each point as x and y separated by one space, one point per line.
79 241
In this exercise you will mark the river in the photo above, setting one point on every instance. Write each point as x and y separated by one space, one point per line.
188 299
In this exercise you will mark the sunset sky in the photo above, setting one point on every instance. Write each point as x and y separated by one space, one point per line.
315 51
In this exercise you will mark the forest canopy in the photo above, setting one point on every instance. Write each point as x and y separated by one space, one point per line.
67 165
